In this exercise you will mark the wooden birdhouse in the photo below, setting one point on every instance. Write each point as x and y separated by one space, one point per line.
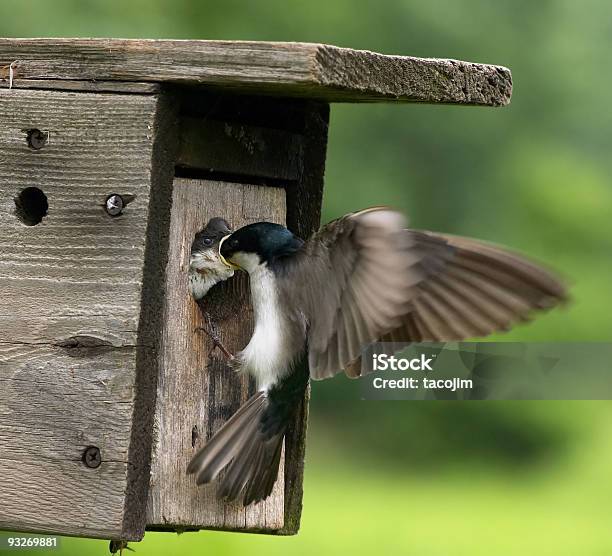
113 154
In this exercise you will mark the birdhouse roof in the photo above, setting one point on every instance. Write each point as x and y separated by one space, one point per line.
317 71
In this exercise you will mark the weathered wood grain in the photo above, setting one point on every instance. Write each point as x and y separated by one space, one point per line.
304 199
197 391
233 147
134 87
165 145
72 336
306 122
317 71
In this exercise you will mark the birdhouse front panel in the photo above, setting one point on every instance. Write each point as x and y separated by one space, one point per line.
199 391
75 194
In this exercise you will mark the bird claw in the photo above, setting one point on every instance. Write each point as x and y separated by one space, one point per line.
217 343
119 546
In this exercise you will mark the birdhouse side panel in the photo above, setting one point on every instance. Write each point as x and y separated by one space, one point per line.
71 275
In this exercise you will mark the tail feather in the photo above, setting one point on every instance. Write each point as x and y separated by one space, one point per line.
269 477
266 472
219 451
247 448
250 444
239 472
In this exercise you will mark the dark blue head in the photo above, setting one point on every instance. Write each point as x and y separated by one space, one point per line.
258 243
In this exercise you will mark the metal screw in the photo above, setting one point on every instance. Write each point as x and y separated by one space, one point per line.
92 457
114 204
37 139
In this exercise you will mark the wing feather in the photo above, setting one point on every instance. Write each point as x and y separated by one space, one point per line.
365 278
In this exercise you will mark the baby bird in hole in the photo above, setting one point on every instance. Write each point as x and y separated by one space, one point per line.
206 269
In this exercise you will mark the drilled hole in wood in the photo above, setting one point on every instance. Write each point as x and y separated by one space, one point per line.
31 206
37 139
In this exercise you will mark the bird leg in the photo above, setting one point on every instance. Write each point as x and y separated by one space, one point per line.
119 546
211 331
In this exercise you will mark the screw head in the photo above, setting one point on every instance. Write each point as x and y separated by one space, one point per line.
92 457
37 139
114 204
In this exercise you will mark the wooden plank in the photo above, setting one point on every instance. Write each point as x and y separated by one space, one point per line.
133 87
304 199
165 145
253 110
317 71
238 148
197 391
72 339
309 121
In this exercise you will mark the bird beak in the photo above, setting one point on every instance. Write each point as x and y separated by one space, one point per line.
223 259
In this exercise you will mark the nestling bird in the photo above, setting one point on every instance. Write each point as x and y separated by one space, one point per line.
206 269
362 278
205 265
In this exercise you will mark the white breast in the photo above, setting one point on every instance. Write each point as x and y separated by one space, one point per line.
268 354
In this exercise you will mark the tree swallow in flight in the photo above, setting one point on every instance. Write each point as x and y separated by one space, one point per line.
361 279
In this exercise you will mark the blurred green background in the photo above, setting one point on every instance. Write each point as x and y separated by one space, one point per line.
438 478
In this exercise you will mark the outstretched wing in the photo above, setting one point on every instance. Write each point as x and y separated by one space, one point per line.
365 278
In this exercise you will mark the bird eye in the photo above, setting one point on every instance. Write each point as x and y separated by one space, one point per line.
234 243
208 241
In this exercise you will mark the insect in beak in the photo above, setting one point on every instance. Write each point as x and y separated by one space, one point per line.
223 259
